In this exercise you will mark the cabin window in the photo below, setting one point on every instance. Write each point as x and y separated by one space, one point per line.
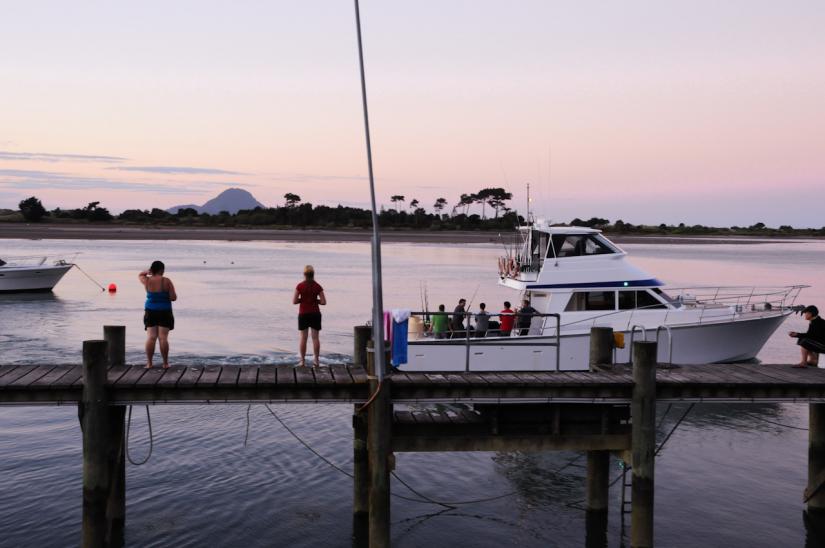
592 300
576 245
630 300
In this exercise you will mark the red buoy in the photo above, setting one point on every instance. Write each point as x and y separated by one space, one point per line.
112 288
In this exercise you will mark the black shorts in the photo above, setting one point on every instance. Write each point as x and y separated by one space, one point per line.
158 318
309 320
812 345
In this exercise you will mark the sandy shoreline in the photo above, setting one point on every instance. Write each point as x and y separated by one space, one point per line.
125 232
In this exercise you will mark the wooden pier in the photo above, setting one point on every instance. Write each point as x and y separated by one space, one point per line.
610 409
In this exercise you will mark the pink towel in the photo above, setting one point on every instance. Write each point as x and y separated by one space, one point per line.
387 325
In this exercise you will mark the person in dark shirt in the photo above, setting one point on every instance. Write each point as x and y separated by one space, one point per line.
812 342
457 323
525 317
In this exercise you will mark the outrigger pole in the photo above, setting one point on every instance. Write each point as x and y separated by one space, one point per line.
377 298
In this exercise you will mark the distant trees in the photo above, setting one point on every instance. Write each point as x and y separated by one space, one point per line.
395 199
292 199
32 209
439 205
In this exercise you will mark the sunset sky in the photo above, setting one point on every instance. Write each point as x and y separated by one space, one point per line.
698 112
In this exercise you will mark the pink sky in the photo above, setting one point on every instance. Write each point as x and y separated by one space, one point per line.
644 111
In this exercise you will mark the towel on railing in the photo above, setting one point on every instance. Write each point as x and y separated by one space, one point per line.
400 327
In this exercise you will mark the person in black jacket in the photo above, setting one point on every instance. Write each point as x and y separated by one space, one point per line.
812 342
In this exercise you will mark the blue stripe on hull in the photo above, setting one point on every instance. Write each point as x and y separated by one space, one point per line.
652 282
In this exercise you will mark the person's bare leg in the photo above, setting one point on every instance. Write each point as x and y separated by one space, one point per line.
813 358
151 337
163 336
316 347
803 361
302 347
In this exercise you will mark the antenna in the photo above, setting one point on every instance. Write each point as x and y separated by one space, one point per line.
377 298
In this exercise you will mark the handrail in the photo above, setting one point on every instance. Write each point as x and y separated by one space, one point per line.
669 341
632 336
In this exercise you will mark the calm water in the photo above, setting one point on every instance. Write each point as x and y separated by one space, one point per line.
727 477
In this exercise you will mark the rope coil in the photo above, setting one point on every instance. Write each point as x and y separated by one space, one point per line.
151 438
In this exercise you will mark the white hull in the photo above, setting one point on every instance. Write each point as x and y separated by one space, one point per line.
692 344
31 278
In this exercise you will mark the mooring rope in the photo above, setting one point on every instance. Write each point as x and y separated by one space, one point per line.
423 498
77 266
673 430
777 423
151 438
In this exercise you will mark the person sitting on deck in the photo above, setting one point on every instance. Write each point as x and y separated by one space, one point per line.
439 323
812 342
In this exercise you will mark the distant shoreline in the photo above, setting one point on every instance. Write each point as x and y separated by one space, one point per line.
125 232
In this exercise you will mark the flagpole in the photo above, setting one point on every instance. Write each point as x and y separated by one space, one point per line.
377 298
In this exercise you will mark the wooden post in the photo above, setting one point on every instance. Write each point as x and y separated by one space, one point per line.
815 493
115 336
97 475
379 424
598 489
361 334
643 415
361 481
601 347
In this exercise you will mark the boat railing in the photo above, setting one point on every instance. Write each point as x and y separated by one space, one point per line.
669 342
39 260
633 330
472 338
735 300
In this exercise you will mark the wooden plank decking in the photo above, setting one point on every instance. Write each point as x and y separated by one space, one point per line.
62 384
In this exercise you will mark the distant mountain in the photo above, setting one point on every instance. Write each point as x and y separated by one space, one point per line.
231 200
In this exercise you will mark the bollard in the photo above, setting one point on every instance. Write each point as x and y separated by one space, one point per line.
643 415
379 425
97 475
115 336
361 334
601 347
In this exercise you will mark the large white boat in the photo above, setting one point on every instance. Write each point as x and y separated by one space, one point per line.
577 279
26 274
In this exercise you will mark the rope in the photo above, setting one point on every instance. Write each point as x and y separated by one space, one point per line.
423 498
777 423
662 445
151 438
246 437
371 399
87 275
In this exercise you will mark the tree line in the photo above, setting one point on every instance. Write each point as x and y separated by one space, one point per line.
295 213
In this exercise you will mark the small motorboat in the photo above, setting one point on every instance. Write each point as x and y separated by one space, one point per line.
28 274
576 279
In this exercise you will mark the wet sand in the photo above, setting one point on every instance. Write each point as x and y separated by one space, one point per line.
127 232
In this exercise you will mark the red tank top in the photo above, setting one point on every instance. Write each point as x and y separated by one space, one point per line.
309 292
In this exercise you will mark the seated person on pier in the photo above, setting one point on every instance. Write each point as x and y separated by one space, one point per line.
812 342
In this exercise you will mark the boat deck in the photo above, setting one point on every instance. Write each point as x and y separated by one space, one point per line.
62 385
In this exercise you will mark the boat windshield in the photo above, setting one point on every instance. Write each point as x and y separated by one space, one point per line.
577 245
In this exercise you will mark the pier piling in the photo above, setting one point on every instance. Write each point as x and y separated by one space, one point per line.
643 436
115 336
361 481
97 474
361 334
601 347
815 493
379 425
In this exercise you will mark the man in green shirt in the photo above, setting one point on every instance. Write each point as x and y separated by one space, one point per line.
439 324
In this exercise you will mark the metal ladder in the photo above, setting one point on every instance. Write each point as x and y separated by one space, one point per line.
627 484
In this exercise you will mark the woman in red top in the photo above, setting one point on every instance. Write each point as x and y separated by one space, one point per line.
308 295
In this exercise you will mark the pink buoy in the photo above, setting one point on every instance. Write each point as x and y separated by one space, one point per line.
112 288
